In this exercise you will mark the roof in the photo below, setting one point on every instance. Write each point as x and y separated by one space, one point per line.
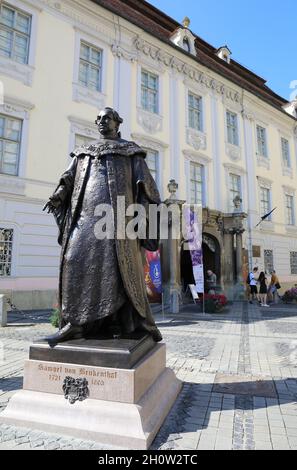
155 22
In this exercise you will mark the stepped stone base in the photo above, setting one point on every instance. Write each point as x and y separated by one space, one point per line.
123 408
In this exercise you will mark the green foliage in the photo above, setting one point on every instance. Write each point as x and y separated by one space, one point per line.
54 319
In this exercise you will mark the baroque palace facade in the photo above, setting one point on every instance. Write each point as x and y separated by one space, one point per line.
206 121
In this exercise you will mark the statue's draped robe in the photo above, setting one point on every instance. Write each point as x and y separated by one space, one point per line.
103 278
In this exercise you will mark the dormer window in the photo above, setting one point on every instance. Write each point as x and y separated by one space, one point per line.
186 45
184 38
224 53
291 107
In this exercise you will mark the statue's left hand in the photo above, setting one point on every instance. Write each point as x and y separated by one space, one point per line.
53 204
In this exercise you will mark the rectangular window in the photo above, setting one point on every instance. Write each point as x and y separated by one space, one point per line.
289 209
268 261
265 202
232 128
10 143
286 153
149 92
261 141
196 183
195 112
15 30
293 262
234 188
152 163
90 66
6 239
81 140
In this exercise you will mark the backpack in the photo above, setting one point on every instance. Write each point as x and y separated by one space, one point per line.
248 279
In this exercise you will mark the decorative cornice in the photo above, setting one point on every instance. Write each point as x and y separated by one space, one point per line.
289 189
189 71
119 51
16 106
149 142
235 168
83 127
192 156
264 182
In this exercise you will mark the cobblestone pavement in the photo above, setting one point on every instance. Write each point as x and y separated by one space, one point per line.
239 372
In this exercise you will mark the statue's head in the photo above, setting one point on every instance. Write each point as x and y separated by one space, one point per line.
108 122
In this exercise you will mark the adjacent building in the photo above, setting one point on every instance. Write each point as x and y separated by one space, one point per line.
206 121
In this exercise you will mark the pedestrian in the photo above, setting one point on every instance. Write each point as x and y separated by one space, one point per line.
211 282
252 282
263 289
274 286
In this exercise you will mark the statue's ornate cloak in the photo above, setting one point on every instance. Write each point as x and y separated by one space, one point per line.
127 175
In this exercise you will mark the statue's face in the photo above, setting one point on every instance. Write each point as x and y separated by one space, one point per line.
107 126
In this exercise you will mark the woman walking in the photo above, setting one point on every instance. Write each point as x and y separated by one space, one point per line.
263 289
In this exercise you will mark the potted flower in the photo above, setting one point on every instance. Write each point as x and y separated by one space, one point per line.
290 295
214 303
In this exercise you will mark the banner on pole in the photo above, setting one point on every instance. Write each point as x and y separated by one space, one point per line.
193 235
153 276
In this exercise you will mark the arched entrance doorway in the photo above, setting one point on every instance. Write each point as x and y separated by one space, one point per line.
211 255
211 260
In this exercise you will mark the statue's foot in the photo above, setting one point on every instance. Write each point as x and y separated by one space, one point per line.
68 332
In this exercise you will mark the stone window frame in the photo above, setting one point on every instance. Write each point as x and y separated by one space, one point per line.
194 137
149 143
15 32
23 72
195 157
157 93
5 141
288 191
265 184
285 164
89 63
81 127
80 93
12 247
291 264
201 111
258 150
152 123
271 268
233 113
235 192
15 248
233 168
17 109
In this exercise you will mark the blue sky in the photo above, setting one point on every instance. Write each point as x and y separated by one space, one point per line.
262 34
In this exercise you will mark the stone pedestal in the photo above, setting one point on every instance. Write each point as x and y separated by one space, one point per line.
123 408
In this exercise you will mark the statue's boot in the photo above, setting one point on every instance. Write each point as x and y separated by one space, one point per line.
65 334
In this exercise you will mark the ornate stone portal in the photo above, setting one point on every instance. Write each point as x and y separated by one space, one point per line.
223 254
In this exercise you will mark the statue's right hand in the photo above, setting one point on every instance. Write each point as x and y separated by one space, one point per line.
53 204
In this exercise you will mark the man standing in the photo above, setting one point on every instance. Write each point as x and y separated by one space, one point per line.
211 282
252 281
101 287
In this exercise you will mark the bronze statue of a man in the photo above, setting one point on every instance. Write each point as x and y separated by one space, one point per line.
101 284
